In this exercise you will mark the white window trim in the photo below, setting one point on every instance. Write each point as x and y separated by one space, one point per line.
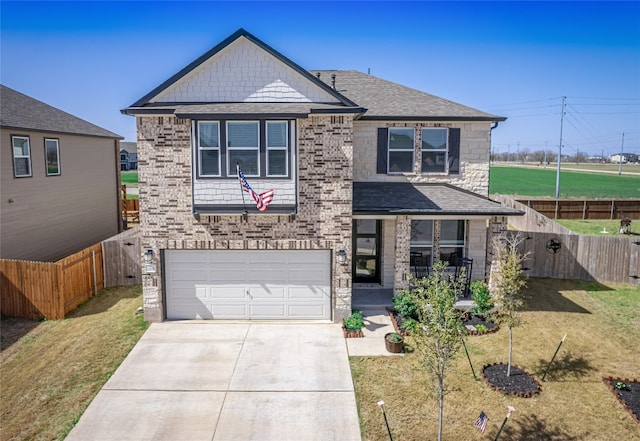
230 172
13 153
279 148
412 150
46 164
199 148
445 150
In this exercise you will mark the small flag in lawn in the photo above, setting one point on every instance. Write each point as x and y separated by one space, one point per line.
481 422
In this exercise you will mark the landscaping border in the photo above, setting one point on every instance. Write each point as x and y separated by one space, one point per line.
608 381
515 394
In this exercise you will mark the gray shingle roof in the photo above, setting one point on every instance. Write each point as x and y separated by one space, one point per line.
23 112
387 100
404 198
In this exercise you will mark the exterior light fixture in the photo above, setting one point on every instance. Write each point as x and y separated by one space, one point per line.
341 256
148 255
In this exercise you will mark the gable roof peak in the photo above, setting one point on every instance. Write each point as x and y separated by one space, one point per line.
241 33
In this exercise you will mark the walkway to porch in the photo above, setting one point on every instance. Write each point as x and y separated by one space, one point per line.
372 301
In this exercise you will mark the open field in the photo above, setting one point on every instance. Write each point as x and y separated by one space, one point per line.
525 181
51 370
129 177
603 327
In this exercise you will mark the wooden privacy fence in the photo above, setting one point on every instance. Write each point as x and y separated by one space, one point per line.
585 209
121 256
50 290
614 259
603 259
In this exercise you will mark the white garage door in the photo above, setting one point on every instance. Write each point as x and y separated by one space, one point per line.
264 284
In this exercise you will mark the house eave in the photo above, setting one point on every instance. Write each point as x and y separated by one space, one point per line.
432 118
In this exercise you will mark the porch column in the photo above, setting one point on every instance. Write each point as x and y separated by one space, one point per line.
403 243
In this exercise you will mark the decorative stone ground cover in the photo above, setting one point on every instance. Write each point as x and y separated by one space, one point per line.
628 393
519 383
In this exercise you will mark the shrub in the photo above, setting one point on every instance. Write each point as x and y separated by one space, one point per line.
395 337
354 322
405 305
483 302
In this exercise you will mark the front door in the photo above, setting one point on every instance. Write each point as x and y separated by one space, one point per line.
366 251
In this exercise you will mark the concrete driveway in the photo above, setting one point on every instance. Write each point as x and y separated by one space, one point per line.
228 381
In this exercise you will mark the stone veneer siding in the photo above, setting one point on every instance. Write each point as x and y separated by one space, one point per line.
323 221
475 145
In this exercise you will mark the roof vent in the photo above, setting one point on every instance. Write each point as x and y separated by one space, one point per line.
333 81
318 75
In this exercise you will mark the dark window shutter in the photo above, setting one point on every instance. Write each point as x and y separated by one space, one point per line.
383 136
454 151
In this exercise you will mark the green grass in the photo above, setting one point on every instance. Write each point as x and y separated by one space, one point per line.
129 177
595 227
602 324
52 370
542 182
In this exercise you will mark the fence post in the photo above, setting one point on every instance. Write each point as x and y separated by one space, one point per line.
95 276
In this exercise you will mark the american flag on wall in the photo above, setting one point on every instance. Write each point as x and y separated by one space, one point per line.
263 199
481 422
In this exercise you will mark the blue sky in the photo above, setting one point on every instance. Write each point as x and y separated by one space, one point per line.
515 59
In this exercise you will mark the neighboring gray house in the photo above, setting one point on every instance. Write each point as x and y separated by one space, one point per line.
368 177
59 178
128 156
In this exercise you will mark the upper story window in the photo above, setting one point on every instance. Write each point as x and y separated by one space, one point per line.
397 150
21 156
209 148
277 148
260 148
434 150
401 149
52 156
243 147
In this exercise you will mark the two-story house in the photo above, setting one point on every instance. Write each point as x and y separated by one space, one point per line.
128 156
59 180
359 177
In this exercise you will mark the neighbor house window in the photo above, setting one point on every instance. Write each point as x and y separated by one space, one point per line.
400 150
209 148
277 148
52 156
421 252
21 156
452 240
434 150
243 147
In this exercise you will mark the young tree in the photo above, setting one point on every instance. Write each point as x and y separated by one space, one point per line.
507 283
439 333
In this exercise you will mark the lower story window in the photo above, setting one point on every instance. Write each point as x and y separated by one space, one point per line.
452 241
450 247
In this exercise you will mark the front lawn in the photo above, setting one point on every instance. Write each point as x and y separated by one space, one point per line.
602 324
52 370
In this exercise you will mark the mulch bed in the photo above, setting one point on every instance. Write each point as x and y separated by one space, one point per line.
469 320
628 396
519 383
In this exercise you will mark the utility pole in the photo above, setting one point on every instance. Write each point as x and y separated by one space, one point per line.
621 155
559 161
559 155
